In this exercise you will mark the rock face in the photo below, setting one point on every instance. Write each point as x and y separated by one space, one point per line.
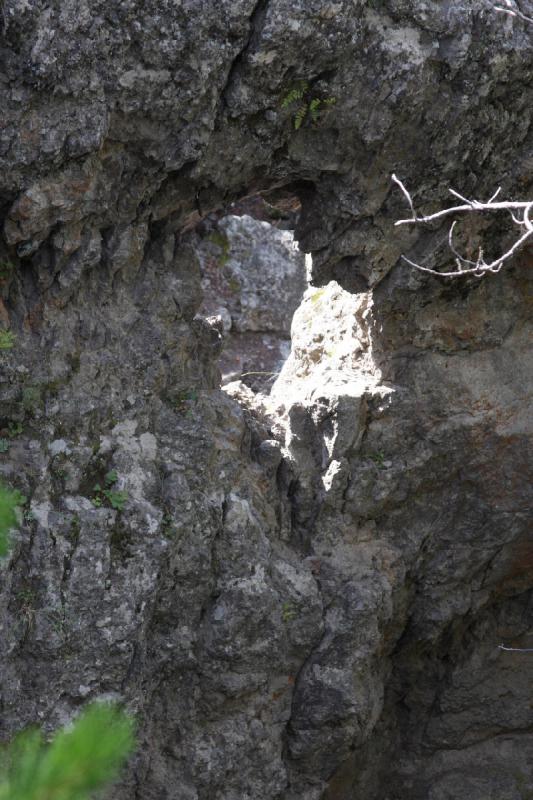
422 536
301 596
253 279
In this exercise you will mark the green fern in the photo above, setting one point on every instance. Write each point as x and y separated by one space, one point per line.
314 105
295 94
309 107
299 117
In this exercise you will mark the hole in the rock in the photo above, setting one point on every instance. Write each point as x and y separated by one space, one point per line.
253 277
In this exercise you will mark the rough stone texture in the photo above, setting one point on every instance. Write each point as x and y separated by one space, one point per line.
415 502
302 596
253 278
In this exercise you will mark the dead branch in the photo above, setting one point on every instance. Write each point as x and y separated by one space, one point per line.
516 649
512 10
467 266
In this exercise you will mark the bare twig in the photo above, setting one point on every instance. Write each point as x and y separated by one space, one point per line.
511 9
467 266
406 195
516 649
248 374
459 259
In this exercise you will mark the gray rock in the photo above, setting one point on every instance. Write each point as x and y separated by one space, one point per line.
253 276
301 597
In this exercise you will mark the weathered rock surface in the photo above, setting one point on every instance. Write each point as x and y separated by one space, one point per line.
253 279
423 538
300 596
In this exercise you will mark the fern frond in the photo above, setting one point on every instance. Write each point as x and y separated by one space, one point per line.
294 94
314 105
299 117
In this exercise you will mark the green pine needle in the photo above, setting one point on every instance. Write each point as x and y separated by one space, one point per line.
78 761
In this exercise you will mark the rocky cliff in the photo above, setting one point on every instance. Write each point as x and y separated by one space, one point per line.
301 596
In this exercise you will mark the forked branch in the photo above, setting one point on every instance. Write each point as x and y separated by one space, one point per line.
512 9
520 213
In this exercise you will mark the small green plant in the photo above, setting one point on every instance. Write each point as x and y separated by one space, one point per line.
20 499
168 527
297 92
318 295
378 458
273 212
7 340
221 241
80 760
58 467
4 446
288 612
185 399
28 516
111 477
74 531
116 499
6 270
26 597
10 500
59 621
309 106
14 429
31 398
234 285
317 105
